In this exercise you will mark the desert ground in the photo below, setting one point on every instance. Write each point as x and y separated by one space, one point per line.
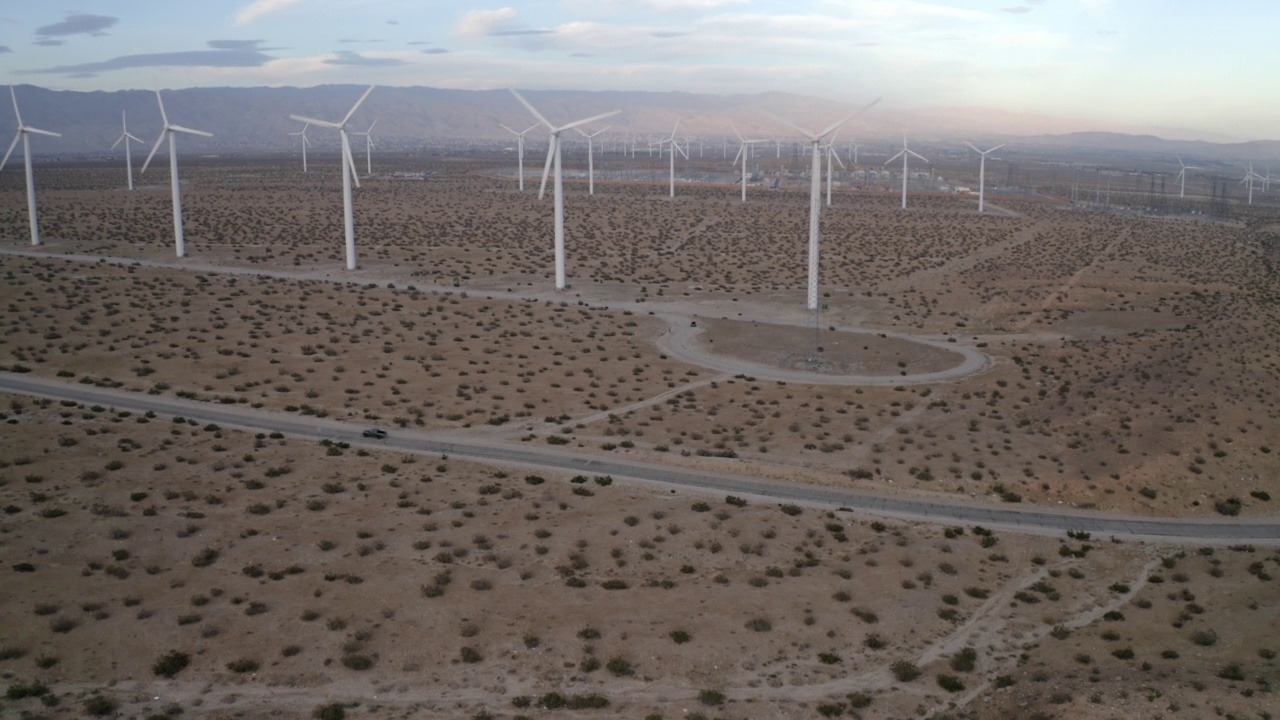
1034 356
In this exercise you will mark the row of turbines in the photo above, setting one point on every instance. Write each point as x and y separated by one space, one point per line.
821 144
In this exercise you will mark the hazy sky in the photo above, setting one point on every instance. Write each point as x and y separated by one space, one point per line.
1175 63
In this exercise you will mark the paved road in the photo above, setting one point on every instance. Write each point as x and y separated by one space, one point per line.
1032 520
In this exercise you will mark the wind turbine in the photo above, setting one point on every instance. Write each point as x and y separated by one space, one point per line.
368 148
982 172
170 130
904 153
591 161
815 192
675 147
24 134
305 143
553 156
519 148
125 137
348 172
1249 178
1182 178
743 149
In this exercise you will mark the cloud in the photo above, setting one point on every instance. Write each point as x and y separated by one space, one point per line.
393 22
49 43
225 54
347 57
1017 10
347 41
5 49
479 23
258 8
434 51
664 34
77 24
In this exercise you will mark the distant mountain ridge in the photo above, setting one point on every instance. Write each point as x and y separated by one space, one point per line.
256 119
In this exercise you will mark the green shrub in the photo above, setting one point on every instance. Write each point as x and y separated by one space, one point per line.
171 663
905 670
965 660
329 711
950 683
619 666
711 697
99 706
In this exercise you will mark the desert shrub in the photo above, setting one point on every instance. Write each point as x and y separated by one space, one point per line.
905 670
1231 672
619 666
592 701
711 697
243 665
680 637
1204 638
830 658
614 584
1123 653
759 625
964 660
950 683
99 706
63 624
18 691
329 711
171 663
791 509
874 642
470 655
735 501
205 557
355 661
1230 506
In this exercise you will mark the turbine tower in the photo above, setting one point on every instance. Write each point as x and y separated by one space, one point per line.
305 143
348 173
982 172
171 131
1182 178
125 137
24 134
368 148
519 148
815 192
904 153
1248 179
743 151
553 156
591 161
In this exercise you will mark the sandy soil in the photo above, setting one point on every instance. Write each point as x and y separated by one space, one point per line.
1120 363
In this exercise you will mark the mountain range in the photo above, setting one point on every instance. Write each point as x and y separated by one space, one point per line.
256 119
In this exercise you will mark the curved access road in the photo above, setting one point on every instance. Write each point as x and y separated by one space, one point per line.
1037 520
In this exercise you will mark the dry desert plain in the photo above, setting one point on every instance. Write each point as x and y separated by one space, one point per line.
162 567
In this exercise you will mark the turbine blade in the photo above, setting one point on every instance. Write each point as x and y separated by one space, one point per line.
789 124
154 148
117 142
14 94
997 147
38 131
537 115
975 148
16 137
835 155
895 157
589 120
551 152
504 127
913 152
313 121
351 163
163 116
529 128
131 137
355 107
375 122
738 157
735 132
837 125
189 131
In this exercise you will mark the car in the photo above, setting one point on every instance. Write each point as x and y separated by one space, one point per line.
377 433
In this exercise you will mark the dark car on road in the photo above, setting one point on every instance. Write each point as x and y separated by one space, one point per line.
377 433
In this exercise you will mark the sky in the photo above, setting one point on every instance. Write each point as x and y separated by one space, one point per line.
1207 66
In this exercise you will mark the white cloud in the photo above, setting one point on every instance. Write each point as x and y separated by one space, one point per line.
478 23
258 8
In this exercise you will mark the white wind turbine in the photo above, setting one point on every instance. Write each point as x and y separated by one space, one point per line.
348 173
125 137
519 148
675 148
1248 179
982 172
591 161
815 192
743 151
305 144
170 130
24 134
553 157
368 148
904 153
1182 178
